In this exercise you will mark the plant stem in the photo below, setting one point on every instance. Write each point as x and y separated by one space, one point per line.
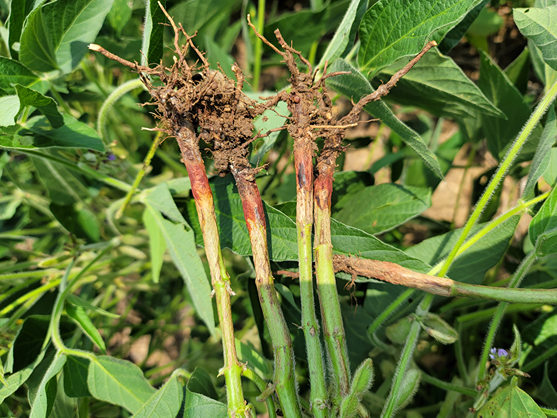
262 386
448 386
501 171
333 327
304 219
258 50
284 376
520 273
140 174
220 279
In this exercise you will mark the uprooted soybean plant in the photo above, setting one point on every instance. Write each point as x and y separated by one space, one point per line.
343 298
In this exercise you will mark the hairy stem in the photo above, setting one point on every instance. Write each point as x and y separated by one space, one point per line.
220 279
284 376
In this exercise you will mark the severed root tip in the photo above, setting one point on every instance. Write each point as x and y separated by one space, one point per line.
95 47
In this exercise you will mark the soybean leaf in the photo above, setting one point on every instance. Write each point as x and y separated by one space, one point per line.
166 402
546 392
13 72
502 93
74 134
43 400
201 397
248 355
17 379
56 35
182 249
153 32
542 157
487 23
355 86
544 72
346 184
161 199
10 110
345 33
78 314
77 301
64 406
281 232
540 26
64 188
384 40
518 71
439 86
18 12
217 56
380 208
511 402
118 382
79 221
545 219
550 175
470 266
453 37
27 344
119 14
305 26
75 377
157 244
46 105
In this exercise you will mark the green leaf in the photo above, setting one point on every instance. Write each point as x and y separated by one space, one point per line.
119 14
540 26
153 33
439 86
344 35
355 86
502 93
346 184
74 134
10 110
470 266
27 344
216 55
56 35
161 199
542 157
304 27
380 208
64 406
247 354
18 12
46 105
545 219
16 380
182 249
511 402
166 402
41 404
487 23
453 37
78 314
361 382
384 39
518 71
157 244
200 397
546 392
546 245
281 232
77 301
75 377
64 186
118 382
544 72
13 72
550 174
398 332
80 222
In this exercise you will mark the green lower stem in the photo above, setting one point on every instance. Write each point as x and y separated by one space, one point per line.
318 394
262 386
333 328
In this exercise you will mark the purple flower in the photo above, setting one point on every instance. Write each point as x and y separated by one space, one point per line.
111 157
497 353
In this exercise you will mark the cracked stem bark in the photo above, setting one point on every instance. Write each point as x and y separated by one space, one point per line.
284 376
220 279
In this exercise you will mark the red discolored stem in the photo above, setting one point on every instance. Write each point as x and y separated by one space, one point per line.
254 214
220 279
